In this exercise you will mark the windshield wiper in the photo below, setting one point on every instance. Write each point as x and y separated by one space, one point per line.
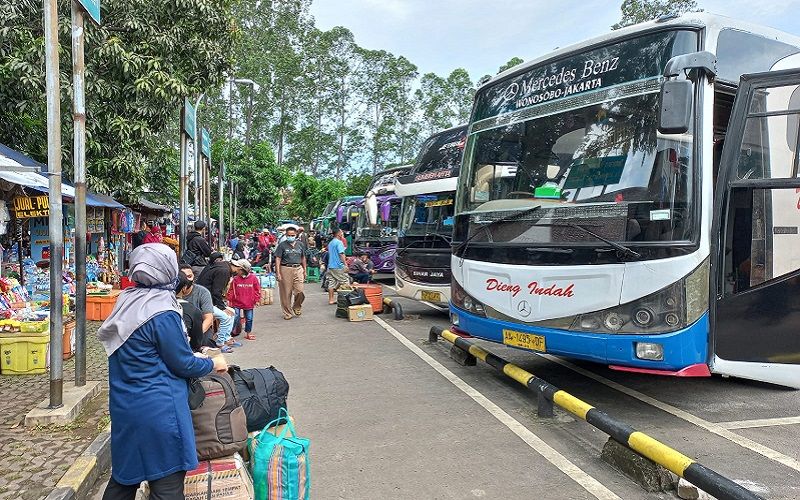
402 250
622 248
508 218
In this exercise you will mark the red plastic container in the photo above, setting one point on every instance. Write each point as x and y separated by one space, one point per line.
374 296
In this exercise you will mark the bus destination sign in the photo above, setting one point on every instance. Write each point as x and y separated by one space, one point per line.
623 62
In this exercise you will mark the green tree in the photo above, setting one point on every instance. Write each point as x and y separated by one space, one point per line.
444 102
140 63
357 184
310 195
514 61
639 11
259 177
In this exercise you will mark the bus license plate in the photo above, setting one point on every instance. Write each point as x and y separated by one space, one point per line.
431 296
524 340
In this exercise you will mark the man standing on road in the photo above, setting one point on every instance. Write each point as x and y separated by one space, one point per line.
216 278
290 263
336 273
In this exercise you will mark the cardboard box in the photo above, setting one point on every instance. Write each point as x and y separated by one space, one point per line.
360 313
227 476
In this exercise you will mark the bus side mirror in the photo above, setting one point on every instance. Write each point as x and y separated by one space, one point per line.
675 107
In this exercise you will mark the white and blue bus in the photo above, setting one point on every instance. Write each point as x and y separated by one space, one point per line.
634 200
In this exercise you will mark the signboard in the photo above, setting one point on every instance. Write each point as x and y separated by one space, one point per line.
592 172
439 203
205 141
92 7
189 118
28 207
629 61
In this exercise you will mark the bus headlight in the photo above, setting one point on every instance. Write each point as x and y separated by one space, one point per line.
669 309
461 299
400 271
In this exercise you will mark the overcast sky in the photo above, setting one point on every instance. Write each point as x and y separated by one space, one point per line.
480 35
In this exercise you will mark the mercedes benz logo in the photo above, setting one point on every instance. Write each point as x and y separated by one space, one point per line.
511 92
524 309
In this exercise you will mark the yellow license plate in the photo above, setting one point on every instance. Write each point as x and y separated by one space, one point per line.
432 296
524 340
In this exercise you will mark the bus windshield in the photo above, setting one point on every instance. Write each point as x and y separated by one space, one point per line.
584 150
385 229
427 214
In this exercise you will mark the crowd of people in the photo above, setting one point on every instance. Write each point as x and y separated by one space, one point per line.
184 311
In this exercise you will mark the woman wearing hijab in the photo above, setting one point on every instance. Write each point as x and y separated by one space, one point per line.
149 362
239 250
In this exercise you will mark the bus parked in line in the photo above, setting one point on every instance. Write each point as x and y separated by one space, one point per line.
422 263
634 200
376 227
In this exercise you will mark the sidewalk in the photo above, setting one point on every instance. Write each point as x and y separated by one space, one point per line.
384 424
32 460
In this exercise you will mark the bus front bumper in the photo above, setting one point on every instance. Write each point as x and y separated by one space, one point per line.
683 348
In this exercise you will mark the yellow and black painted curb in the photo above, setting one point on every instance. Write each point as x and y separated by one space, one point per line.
701 476
394 306
84 471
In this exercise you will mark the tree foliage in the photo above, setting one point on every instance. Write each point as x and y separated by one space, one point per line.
260 179
357 185
639 11
310 195
514 61
140 63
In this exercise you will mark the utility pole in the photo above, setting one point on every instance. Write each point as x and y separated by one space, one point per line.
56 221
79 163
184 179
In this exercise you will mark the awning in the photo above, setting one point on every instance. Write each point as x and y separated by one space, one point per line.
35 181
11 157
101 200
144 203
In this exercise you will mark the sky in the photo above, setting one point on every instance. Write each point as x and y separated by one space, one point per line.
480 35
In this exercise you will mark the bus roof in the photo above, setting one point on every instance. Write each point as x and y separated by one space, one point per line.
690 20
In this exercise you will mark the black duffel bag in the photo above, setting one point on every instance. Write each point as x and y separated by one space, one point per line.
262 392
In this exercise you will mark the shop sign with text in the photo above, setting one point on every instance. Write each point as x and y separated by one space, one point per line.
27 207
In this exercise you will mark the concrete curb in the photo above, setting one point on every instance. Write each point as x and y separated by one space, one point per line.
79 479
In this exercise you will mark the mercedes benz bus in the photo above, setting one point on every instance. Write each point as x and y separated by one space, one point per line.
634 200
422 263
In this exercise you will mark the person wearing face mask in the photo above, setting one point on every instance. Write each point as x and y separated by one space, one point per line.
290 262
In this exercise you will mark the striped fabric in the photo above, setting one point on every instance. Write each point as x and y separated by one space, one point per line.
280 463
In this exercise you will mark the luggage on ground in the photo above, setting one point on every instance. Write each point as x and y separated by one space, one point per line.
345 299
224 478
220 425
262 392
279 463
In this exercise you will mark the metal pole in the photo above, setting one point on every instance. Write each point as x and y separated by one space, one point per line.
79 162
249 117
221 221
235 205
198 157
207 188
184 181
231 202
56 221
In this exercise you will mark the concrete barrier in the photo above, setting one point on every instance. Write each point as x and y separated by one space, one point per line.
704 478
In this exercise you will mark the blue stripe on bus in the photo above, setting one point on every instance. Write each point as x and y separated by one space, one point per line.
681 348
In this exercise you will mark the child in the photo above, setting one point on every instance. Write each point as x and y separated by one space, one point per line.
243 295
312 258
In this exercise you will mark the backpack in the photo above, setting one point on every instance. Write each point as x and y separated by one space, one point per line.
220 426
190 257
263 392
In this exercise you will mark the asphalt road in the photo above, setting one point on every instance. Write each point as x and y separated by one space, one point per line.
391 416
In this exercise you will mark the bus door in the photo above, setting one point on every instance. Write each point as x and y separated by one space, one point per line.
755 281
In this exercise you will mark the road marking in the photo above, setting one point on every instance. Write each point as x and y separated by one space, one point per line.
590 484
759 422
717 429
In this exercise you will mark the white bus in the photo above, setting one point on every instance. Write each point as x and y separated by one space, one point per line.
634 200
